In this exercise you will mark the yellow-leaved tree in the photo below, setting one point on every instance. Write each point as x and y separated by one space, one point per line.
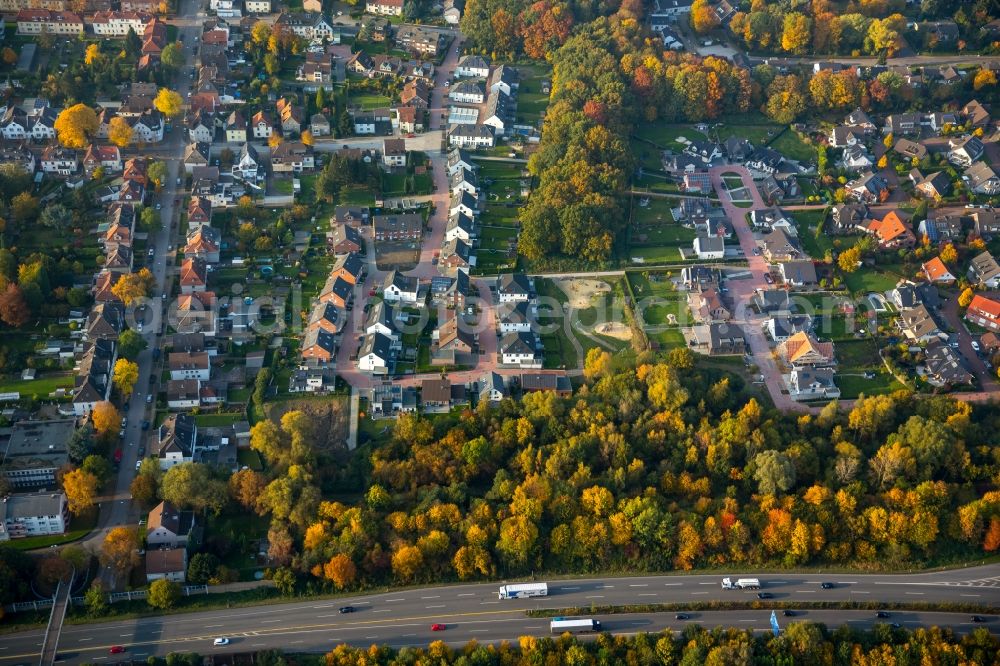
80 488
119 132
76 125
168 102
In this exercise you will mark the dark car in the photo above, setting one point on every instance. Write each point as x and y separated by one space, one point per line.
881 614
765 595
145 425
788 613
681 616
977 619
346 609
826 586
896 625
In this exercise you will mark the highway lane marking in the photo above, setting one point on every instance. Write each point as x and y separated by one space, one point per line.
382 610
595 596
467 594
847 582
608 587
639 585
810 591
970 595
213 626
707 583
916 593
434 597
124 635
395 599
483 603
699 593
747 620
270 621
330 615
860 592
408 635
672 584
478 631
79 639
436 606
778 582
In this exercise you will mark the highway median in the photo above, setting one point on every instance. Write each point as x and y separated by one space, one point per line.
771 604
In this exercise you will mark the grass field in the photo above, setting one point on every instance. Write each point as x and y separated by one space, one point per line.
646 156
357 195
792 147
369 101
559 351
41 386
666 134
496 238
757 134
531 101
807 221
867 279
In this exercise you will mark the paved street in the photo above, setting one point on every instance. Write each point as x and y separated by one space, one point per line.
403 617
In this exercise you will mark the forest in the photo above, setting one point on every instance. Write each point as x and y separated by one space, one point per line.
653 465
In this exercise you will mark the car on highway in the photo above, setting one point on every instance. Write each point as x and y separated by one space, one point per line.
221 640
117 649
881 614
437 627
346 609
765 595
681 616
788 613
977 619
826 585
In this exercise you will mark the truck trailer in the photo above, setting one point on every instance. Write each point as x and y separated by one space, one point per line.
523 590
740 584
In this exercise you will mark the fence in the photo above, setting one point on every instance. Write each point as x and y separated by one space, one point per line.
114 597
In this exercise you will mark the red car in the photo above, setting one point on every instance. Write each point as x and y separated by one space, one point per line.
117 649
437 627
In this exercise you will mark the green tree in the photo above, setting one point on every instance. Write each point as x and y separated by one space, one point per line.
99 467
774 472
81 443
172 56
163 594
191 486
96 600
130 344
202 568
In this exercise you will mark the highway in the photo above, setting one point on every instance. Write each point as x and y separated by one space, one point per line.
404 617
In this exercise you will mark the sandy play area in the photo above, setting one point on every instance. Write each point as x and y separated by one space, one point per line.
614 329
581 292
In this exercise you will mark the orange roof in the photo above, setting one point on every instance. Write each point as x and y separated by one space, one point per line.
802 344
985 305
889 227
936 270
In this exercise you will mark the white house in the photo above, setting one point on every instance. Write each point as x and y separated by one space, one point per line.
709 247
399 288
521 349
471 136
33 514
375 354
473 66
514 287
190 365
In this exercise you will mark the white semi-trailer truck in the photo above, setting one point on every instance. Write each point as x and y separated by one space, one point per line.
740 584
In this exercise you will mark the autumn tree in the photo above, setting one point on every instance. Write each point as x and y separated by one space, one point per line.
76 125
80 488
774 472
119 550
797 33
24 207
246 487
119 132
143 489
105 418
133 286
14 310
340 570
407 562
191 486
157 172
984 77
949 254
307 138
966 297
703 17
163 594
168 102
849 259
92 54
126 374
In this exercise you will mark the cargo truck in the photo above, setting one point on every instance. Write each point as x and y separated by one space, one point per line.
740 584
523 590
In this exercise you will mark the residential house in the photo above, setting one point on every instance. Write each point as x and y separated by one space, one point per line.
319 125
986 223
892 232
472 91
455 254
34 451
350 267
93 375
436 394
394 153
709 247
779 245
492 388
43 21
402 227
59 161
420 40
902 123
514 287
199 212
464 180
201 127
183 393
965 150
384 7
856 158
190 365
344 239
325 316
783 325
248 166
910 150
535 382
934 186
515 316
308 25
167 564
176 440
945 367
843 136
800 274
499 112
697 183
453 342
410 119
464 203
317 71
193 275
319 345
802 349
473 66
764 161
737 149
984 311
108 158
936 271
196 155
942 228
337 291
939 121
720 338
290 117
847 219
504 79
982 179
452 12
471 136
375 355
984 271
918 324
460 226
870 187
806 383
707 306
105 321
236 127
350 215
262 125
35 514
520 349
204 243
976 115
292 157
861 120
399 288
907 294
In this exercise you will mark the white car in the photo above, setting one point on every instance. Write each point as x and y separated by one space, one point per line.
221 641
975 345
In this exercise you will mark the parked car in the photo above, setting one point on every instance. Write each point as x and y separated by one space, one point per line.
977 619
975 345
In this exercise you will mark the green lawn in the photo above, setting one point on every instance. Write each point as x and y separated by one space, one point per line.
499 216
369 101
42 386
357 195
789 144
852 386
559 351
666 134
807 221
497 238
283 185
241 532
669 338
218 420
500 170
250 458
647 156
656 212
867 279
757 134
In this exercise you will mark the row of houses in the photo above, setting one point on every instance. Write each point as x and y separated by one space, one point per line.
475 127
